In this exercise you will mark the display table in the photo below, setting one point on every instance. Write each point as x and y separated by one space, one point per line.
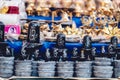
57 78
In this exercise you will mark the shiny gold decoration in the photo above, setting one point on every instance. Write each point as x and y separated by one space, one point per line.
112 31
23 37
45 11
26 25
86 21
44 27
4 10
24 31
29 10
38 9
66 3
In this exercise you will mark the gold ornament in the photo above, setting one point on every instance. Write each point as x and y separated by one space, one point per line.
4 10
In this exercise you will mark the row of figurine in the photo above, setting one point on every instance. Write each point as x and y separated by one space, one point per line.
59 52
80 6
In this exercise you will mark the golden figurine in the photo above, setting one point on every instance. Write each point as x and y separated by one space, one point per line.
24 31
38 9
111 31
45 11
23 37
29 10
79 7
26 25
44 27
78 10
66 3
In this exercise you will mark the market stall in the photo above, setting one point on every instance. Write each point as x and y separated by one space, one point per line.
58 39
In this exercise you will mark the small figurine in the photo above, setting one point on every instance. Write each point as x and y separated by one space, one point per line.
111 49
87 42
65 53
60 43
33 32
114 41
55 52
38 9
8 53
60 59
103 49
29 10
75 53
36 54
82 54
93 51
23 51
48 53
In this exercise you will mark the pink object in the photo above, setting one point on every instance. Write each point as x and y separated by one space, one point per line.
14 29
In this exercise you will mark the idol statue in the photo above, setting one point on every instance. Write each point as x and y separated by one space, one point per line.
114 41
87 42
60 43
33 32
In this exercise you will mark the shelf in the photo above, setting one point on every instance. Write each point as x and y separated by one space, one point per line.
57 78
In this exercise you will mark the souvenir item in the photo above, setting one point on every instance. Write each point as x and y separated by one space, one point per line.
82 54
48 55
60 43
65 55
93 51
2 27
114 41
87 42
75 53
33 32
103 50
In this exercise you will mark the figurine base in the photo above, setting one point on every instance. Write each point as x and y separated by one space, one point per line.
88 55
74 59
118 53
30 51
103 55
58 55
